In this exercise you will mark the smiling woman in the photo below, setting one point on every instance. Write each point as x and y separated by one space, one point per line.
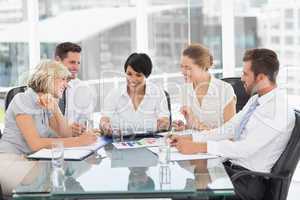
32 115
138 106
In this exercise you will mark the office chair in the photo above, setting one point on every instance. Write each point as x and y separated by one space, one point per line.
169 108
1 195
277 182
239 90
11 93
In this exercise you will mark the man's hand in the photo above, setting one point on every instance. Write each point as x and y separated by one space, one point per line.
187 146
175 138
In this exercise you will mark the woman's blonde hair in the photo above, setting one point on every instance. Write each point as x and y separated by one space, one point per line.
42 80
200 55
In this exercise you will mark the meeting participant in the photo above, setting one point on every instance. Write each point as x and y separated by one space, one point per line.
258 134
140 105
207 102
78 100
32 116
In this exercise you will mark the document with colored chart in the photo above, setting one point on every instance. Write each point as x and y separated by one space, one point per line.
145 142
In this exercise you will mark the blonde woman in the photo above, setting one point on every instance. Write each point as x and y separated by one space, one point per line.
206 101
32 114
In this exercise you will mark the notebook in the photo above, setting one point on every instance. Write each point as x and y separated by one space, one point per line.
73 153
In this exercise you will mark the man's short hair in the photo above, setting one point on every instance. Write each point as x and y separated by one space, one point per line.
62 49
263 61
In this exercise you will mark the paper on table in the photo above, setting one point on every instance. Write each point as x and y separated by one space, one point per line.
176 156
72 153
181 133
68 154
101 141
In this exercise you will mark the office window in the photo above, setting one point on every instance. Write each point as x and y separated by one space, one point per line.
164 49
289 40
178 30
299 19
163 29
105 37
14 56
275 39
289 13
107 31
289 54
289 25
275 26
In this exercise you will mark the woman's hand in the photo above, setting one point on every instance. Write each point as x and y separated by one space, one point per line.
192 121
87 138
77 129
106 127
48 102
178 125
163 124
188 114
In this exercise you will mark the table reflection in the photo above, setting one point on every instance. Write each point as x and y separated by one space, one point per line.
138 180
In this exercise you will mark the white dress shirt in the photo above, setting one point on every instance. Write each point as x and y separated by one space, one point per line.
264 137
119 108
80 100
211 110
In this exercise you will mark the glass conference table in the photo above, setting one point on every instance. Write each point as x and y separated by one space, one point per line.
130 173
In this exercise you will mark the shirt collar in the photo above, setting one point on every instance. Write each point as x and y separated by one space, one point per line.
125 93
72 82
267 97
32 94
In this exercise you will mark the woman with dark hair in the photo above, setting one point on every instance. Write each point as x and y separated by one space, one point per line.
140 105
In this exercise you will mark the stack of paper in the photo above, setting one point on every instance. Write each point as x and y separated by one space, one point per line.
74 153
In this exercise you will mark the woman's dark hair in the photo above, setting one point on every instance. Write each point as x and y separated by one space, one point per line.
140 62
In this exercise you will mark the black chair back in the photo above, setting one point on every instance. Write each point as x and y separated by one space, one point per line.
1 195
11 93
170 109
285 165
239 90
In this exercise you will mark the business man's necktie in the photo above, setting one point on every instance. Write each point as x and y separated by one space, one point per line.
245 119
62 103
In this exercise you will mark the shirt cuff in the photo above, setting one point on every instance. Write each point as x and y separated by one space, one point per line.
213 147
199 136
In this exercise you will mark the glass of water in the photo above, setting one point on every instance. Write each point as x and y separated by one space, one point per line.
163 151
117 135
58 179
57 151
